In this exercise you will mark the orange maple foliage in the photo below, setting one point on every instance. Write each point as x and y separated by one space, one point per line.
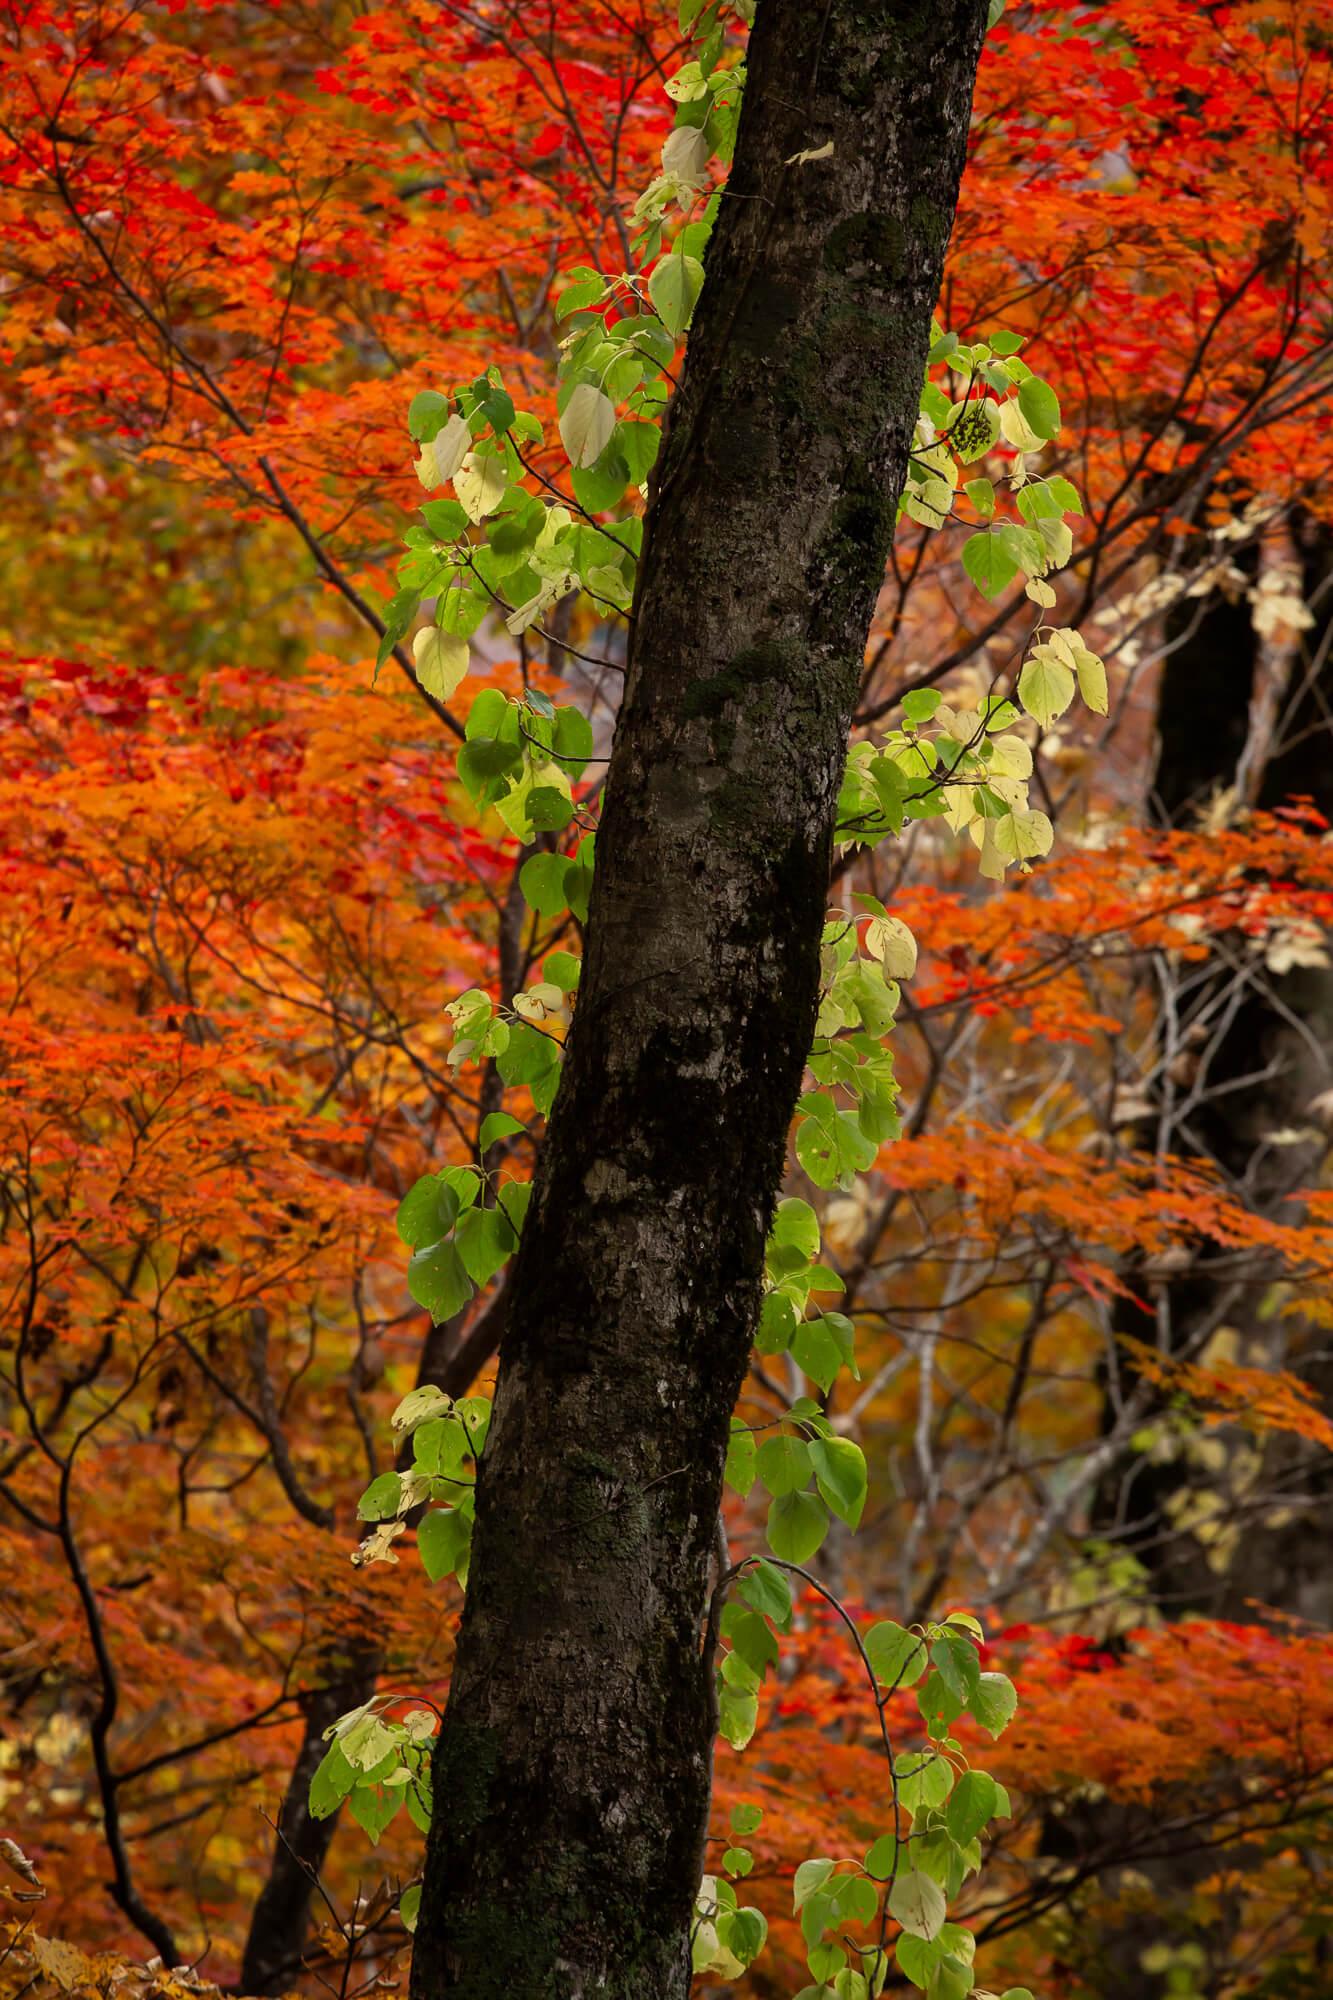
1190 1740
239 884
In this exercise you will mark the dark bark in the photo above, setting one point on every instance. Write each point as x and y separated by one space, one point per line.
1204 698
572 1770
1203 707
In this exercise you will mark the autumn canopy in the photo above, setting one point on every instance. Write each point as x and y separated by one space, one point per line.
1067 1278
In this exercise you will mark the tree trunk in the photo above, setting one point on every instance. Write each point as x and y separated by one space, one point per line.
571 1777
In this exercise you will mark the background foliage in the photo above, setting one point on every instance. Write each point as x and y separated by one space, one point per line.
240 884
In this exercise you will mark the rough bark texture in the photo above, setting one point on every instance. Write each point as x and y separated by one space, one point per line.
572 1771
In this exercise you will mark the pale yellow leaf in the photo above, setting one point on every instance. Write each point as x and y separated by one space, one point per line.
452 446
1059 539
368 1741
420 1406
1061 642
962 724
525 614
1045 686
931 502
1010 757
538 1002
894 945
1016 430
413 1489
376 1548
802 159
961 801
587 423
441 661
992 861
685 155
1022 836
938 458
480 484
918 1904
1091 679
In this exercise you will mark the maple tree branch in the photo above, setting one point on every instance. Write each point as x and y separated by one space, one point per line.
613 211
319 1516
123 1890
265 1418
363 1427
1099 1460
201 378
1023 1361
192 1749
279 1918
1171 495
1158 1838
1192 369
342 584
27 1513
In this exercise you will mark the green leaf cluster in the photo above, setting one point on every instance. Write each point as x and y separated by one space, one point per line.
823 1343
459 1237
726 1936
448 1437
378 1766
919 1868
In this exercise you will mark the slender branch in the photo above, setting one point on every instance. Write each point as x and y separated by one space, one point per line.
201 380
123 1890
